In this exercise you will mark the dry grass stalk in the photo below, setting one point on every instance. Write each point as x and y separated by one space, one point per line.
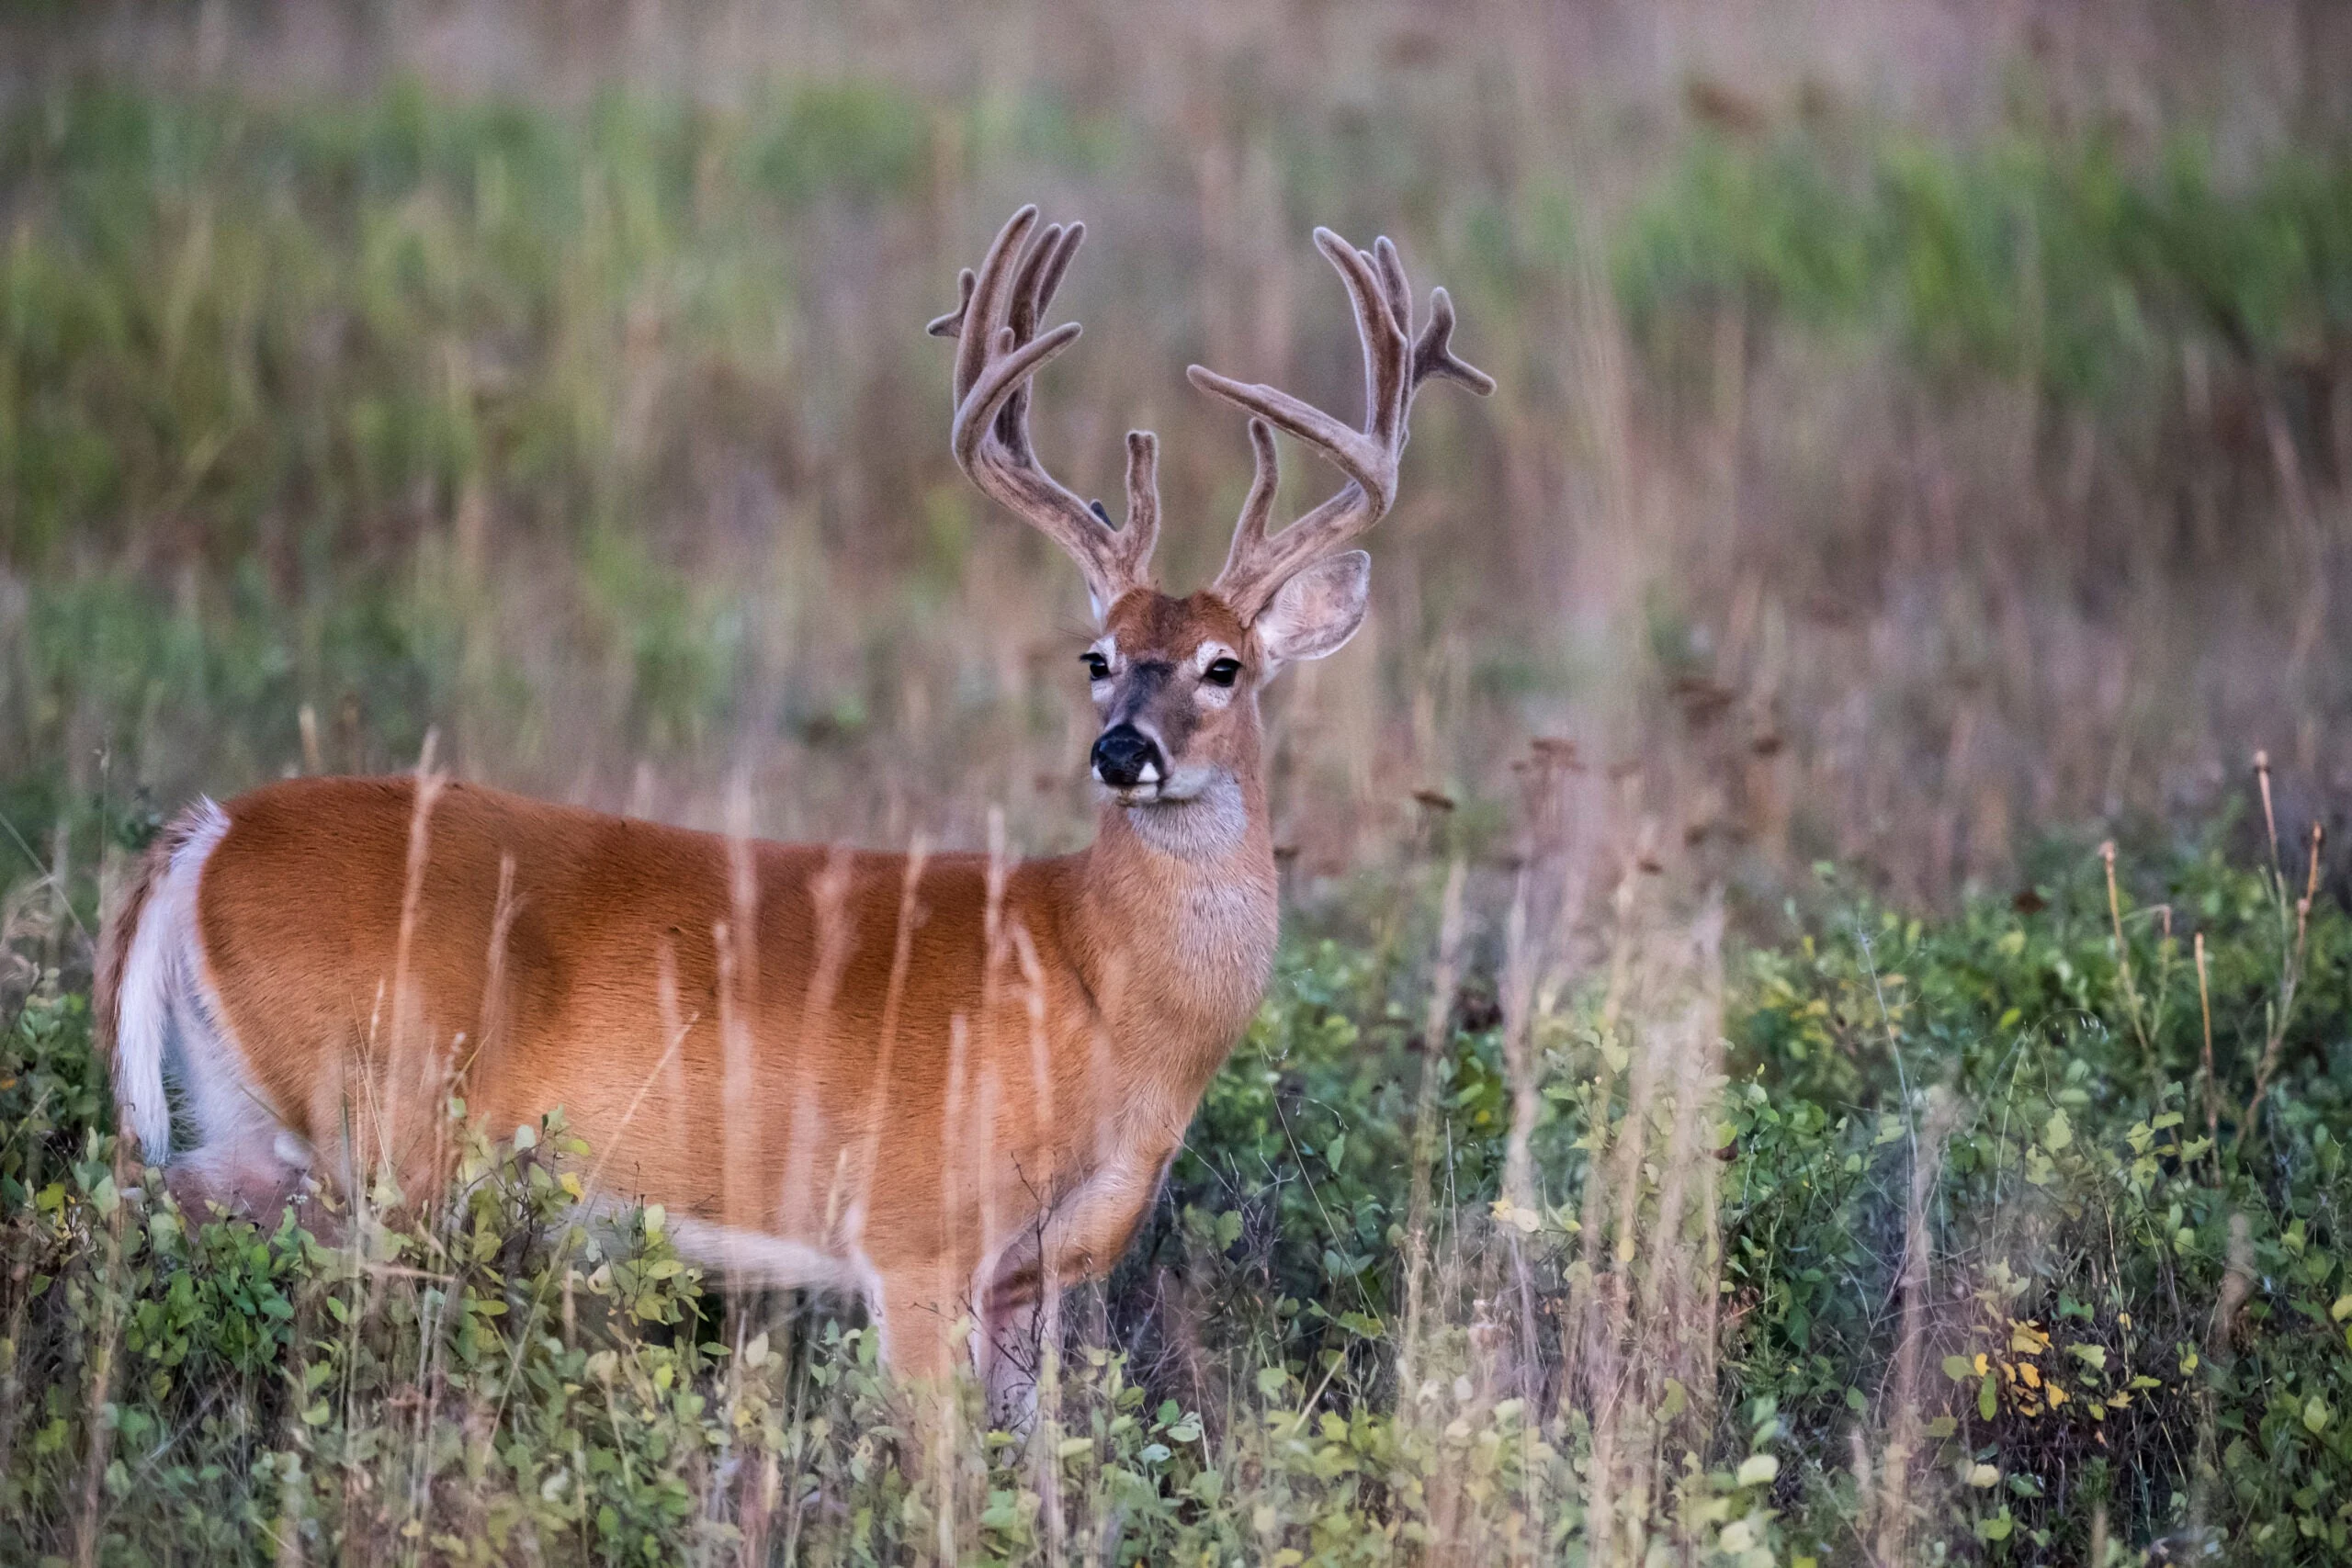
2290 979
1436 1032
2132 1005
415 1081
2220 1347
736 943
877 1098
2212 1085
1895 1509
89 1525
1640 1355
1519 962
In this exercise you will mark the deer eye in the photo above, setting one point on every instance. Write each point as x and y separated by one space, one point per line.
1097 667
1222 672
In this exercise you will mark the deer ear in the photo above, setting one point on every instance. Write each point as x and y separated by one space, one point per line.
1316 612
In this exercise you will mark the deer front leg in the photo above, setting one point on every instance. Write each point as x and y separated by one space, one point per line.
1007 1348
919 1315
1079 1239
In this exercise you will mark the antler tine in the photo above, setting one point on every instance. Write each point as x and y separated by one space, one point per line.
1363 456
952 323
1394 365
976 333
1137 540
1033 290
998 352
1387 352
1022 303
1257 506
1433 353
1057 260
1392 279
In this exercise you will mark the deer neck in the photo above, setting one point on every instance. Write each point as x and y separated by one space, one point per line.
1184 899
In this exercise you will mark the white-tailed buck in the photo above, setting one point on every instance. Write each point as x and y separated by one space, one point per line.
947 1082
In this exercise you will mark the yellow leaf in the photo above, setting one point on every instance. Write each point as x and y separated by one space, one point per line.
2057 1133
1980 1363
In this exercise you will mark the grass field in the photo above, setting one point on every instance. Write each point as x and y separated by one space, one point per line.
1921 455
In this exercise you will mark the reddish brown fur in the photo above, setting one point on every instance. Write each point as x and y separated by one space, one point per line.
300 911
1174 628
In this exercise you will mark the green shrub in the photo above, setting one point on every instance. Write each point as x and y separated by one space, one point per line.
2126 1318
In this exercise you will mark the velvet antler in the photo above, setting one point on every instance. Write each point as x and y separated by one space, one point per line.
1396 363
998 350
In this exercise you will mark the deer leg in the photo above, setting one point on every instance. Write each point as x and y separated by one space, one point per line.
919 1323
248 1181
1008 1350
1078 1242
920 1319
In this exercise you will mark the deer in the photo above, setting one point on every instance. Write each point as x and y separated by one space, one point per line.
950 1084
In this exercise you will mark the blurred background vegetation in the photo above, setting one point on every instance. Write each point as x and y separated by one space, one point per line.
1919 425
1924 445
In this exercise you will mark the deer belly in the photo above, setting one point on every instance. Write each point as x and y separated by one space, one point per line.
744 1257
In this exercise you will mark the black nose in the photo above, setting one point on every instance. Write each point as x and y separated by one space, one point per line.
1122 753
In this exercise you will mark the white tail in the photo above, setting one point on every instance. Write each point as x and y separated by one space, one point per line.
141 1039
161 986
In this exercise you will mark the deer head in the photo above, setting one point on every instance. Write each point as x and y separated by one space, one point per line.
1175 680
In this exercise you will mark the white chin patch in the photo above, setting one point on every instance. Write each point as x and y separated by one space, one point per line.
1186 784
1197 814
1153 788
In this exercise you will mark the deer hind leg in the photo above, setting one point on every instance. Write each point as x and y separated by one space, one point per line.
387 1124
244 1158
923 1316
